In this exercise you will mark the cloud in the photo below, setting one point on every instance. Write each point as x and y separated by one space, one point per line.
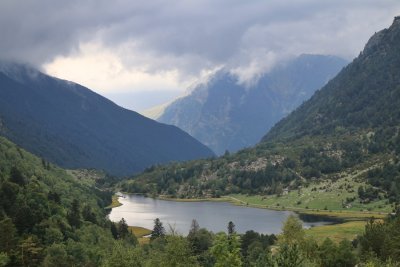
123 44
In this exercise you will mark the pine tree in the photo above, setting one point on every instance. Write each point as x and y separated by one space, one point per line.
74 215
123 230
231 228
158 230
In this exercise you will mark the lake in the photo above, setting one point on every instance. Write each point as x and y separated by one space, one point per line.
141 211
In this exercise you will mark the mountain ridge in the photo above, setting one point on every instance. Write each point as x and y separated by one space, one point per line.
225 114
380 53
74 127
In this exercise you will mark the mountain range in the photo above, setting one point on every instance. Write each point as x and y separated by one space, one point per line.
348 132
226 114
68 124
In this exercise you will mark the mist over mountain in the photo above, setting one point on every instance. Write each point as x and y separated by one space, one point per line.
348 131
227 115
70 125
365 95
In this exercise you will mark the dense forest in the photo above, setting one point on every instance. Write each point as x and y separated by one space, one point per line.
48 217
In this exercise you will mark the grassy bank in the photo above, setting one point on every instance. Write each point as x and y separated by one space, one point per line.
337 232
258 202
115 202
140 233
337 198
221 199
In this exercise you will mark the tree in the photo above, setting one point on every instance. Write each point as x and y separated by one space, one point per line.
200 241
289 256
231 228
194 228
226 250
114 230
88 214
292 231
158 230
123 229
373 238
7 235
4 259
122 255
345 256
56 256
175 253
247 239
327 253
74 215
30 251
16 176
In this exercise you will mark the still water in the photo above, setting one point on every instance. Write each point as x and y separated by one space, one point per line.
141 211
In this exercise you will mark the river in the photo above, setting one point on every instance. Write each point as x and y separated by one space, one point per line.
141 211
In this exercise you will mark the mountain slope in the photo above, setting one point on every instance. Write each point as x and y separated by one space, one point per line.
74 127
365 95
347 132
48 217
227 115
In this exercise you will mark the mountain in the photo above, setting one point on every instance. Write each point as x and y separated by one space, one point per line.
227 115
49 213
364 96
345 140
69 125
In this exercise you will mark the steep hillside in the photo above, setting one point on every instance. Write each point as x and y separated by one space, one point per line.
365 95
74 127
227 115
347 133
47 217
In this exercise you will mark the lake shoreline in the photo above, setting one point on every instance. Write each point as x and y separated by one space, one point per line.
343 221
345 215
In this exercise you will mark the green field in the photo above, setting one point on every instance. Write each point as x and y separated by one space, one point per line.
337 232
324 196
327 198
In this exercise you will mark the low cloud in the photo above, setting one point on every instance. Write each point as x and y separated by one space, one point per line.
107 44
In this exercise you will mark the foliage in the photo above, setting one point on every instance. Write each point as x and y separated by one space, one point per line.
158 230
41 218
226 250
292 231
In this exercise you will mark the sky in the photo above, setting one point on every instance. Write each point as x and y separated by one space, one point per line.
145 53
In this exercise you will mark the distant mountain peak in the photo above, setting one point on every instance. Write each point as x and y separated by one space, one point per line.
228 115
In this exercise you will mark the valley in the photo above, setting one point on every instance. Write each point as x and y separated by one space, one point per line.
282 151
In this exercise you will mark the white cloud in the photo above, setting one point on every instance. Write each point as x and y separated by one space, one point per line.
123 45
103 70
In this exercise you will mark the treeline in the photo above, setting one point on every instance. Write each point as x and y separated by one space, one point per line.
378 246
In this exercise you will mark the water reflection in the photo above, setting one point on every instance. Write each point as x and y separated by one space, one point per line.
141 211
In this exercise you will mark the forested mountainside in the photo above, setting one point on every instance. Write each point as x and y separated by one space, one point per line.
365 96
347 130
69 125
48 216
225 114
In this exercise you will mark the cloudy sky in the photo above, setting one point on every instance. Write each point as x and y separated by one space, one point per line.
144 53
